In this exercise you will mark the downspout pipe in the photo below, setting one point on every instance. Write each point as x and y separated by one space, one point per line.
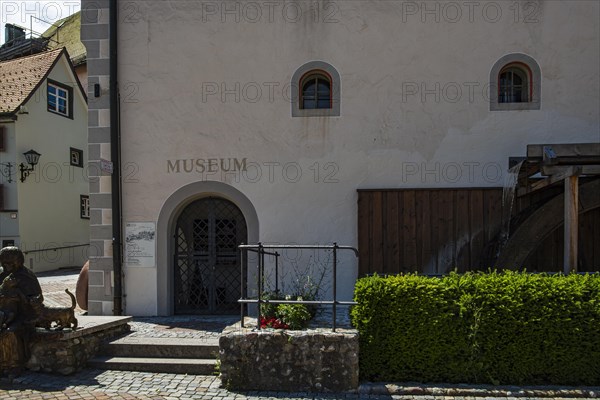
115 152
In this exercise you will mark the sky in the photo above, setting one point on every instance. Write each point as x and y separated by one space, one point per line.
21 12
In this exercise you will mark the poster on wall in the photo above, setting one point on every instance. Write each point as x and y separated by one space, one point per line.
140 244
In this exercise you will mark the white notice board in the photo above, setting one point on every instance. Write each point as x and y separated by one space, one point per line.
140 244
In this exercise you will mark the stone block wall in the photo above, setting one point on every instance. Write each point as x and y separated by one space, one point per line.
278 360
95 37
67 352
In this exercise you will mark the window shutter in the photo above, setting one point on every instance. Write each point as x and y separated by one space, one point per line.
1 138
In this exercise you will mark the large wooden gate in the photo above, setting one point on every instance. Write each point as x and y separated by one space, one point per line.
426 230
435 231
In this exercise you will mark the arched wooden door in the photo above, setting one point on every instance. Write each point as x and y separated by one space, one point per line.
207 261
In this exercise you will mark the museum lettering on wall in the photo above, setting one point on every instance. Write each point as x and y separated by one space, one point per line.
206 165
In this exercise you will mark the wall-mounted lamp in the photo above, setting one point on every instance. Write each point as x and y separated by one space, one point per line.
6 171
32 158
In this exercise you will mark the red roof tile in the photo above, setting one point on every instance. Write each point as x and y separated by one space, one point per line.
20 77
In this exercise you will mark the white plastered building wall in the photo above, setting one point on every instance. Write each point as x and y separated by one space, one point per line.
414 110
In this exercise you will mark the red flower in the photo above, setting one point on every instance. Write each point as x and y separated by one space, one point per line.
272 322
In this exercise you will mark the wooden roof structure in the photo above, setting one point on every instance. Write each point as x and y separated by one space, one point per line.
550 164
556 162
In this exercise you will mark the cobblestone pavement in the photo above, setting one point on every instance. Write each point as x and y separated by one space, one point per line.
181 326
53 285
97 384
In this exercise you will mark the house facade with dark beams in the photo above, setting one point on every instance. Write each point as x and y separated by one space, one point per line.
44 201
221 123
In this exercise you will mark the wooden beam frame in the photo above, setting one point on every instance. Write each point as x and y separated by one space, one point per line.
571 225
548 170
565 173
570 150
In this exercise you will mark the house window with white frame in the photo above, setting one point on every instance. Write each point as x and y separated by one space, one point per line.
84 201
60 99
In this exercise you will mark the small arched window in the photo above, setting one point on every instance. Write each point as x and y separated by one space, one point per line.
514 84
316 91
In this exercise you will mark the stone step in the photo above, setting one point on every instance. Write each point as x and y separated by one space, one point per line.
156 365
162 348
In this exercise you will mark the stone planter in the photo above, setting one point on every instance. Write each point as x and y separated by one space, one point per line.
315 360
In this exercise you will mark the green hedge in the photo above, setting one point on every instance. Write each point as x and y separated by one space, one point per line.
500 328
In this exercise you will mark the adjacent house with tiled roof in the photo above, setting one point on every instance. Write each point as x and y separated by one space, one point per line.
21 41
43 204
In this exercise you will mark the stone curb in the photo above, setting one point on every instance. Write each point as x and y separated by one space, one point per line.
477 391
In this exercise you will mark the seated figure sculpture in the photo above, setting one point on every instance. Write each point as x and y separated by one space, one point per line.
17 285
10 298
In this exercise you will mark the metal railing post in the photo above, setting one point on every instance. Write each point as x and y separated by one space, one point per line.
242 287
261 260
277 272
335 247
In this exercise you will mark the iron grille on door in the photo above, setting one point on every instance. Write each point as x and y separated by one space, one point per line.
207 263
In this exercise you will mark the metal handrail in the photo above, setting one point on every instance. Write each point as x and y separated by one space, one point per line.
56 248
260 249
